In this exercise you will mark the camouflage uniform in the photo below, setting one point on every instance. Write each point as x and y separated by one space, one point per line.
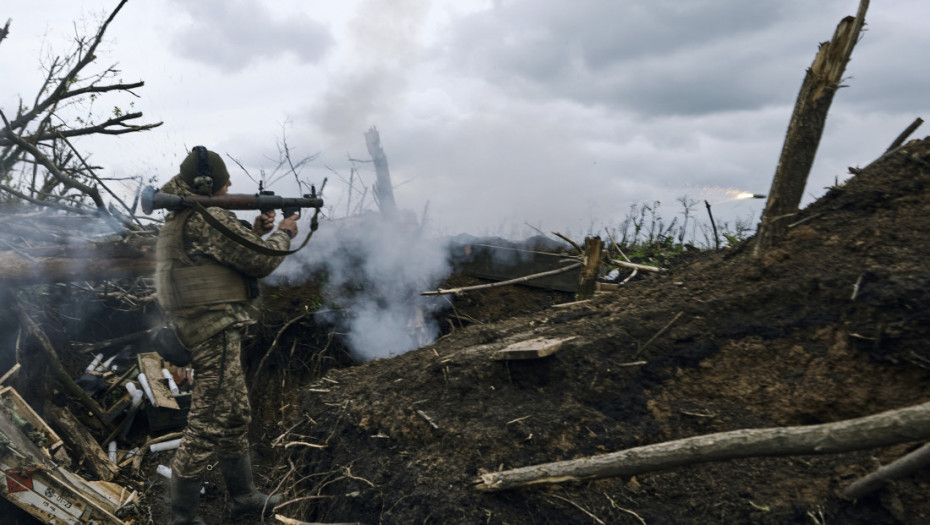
219 415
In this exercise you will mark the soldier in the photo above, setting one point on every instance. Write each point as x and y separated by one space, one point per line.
205 284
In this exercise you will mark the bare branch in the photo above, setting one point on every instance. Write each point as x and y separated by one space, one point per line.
11 191
66 81
53 169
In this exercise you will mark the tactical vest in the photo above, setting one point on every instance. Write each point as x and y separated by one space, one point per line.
181 284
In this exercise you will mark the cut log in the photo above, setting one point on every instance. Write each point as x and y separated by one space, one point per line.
879 430
805 130
81 443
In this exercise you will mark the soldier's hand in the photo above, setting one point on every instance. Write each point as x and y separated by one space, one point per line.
289 224
264 223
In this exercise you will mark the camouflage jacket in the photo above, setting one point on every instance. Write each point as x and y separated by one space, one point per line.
205 246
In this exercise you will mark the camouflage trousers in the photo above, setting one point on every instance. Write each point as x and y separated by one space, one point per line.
219 416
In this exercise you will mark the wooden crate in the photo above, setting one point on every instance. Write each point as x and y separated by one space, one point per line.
31 480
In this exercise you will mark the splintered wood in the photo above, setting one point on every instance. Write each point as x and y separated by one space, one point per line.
531 348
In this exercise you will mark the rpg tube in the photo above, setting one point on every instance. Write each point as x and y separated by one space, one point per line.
152 199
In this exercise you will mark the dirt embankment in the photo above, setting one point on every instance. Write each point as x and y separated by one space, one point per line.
831 325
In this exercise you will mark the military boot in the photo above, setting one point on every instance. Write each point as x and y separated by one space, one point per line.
237 472
185 498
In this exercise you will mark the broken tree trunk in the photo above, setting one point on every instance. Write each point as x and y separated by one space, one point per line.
916 460
384 190
805 129
879 430
587 283
82 444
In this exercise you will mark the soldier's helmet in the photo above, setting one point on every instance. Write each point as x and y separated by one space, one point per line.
204 171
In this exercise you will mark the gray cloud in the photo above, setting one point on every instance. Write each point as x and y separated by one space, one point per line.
384 39
664 57
231 34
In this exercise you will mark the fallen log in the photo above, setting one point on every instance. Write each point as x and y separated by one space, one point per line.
878 430
634 266
899 468
82 444
18 271
23 267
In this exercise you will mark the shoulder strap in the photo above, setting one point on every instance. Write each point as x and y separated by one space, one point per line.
199 208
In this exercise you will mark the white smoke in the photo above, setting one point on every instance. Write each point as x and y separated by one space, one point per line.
372 272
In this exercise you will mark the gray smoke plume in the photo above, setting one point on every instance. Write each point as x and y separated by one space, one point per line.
372 272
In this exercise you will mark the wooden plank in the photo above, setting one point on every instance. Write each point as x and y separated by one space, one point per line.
151 364
531 348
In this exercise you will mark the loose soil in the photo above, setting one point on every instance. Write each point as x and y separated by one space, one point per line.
830 325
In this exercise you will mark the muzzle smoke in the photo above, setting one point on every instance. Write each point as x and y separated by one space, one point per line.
372 272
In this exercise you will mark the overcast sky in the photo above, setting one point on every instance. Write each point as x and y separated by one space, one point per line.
560 114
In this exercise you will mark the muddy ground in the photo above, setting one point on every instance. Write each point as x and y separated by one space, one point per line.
831 325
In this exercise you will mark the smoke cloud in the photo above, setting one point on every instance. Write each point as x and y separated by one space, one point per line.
372 271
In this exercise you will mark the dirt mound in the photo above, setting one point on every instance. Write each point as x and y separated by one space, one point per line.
831 325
